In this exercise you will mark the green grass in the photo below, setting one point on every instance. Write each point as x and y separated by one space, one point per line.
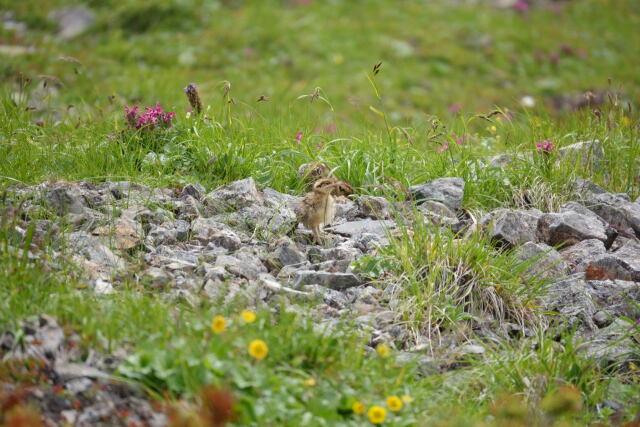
379 132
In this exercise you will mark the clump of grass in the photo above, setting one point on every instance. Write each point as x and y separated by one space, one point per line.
440 280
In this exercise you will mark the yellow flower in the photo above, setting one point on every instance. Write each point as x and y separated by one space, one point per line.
357 407
383 350
626 121
406 398
310 382
258 349
394 403
377 414
492 129
248 316
218 324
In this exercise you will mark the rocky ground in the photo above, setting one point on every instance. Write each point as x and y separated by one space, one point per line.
238 241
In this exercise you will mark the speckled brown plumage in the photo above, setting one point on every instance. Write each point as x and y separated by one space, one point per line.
318 206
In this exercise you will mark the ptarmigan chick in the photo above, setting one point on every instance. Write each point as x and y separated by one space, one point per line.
318 206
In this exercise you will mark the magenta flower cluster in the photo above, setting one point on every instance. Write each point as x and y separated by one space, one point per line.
545 146
152 118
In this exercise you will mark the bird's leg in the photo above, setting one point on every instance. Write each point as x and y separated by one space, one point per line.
316 234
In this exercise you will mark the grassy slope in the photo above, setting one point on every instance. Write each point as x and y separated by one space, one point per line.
433 55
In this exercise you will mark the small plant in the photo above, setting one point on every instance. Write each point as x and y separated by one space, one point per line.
154 118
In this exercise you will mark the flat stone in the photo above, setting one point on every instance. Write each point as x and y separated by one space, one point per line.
90 248
617 210
102 287
234 196
208 230
374 207
356 228
546 261
449 191
581 254
69 371
194 190
512 227
64 199
336 281
569 228
285 252
243 264
72 21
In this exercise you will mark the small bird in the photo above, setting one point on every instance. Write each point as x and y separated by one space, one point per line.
318 206
309 173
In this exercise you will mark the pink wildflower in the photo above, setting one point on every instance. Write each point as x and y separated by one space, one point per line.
459 139
545 146
154 116
443 147
299 137
521 6
454 108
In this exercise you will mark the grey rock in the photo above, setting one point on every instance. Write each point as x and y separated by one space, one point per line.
545 262
336 281
569 228
368 226
159 235
164 255
584 188
215 272
624 264
78 385
261 221
430 207
581 254
346 210
188 208
129 190
102 287
512 227
449 191
285 252
276 200
374 207
157 276
587 153
612 346
72 21
234 196
332 298
601 319
318 254
472 349
193 190
64 199
268 282
90 248
335 266
617 210
502 160
243 264
208 230
578 301
67 371
288 272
